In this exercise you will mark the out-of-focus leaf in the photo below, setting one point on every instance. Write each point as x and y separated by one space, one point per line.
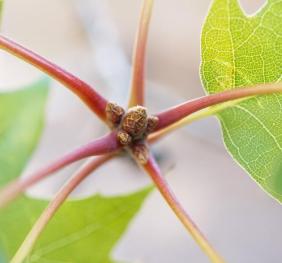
237 51
1 6
21 123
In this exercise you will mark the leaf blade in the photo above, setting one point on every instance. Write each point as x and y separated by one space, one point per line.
21 115
92 228
240 51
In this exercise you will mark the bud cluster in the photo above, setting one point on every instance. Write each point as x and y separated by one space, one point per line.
132 127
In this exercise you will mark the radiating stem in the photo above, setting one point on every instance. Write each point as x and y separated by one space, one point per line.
138 61
87 94
104 145
198 115
55 204
152 168
176 113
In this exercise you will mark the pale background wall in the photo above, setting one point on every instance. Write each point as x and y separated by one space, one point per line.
239 219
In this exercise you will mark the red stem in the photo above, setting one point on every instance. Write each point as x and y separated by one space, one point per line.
152 168
178 112
104 145
87 94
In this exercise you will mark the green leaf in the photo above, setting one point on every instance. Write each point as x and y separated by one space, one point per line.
82 231
1 6
21 123
237 51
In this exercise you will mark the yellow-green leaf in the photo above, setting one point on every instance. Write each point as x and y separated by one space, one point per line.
82 231
239 50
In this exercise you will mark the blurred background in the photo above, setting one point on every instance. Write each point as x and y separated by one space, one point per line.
94 40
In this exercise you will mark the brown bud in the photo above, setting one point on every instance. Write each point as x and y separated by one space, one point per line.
124 138
152 123
135 121
141 152
114 114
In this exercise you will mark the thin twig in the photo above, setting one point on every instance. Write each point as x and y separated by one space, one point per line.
198 115
176 113
88 95
152 168
104 145
138 61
